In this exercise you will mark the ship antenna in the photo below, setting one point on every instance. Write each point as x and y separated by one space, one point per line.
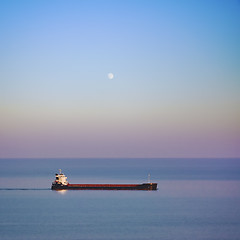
60 171
149 177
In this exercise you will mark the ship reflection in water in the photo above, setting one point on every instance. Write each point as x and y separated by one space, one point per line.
62 191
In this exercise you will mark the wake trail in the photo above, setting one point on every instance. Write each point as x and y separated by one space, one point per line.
24 189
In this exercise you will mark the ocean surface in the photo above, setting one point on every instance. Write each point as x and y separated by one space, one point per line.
196 199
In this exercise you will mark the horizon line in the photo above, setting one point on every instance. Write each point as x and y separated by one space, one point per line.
5 158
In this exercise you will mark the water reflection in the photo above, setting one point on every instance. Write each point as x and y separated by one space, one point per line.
62 192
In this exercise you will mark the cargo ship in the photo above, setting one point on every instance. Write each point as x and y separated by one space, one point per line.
61 183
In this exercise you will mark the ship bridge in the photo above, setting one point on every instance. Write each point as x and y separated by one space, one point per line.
61 178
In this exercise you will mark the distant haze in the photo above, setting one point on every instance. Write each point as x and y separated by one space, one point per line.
176 85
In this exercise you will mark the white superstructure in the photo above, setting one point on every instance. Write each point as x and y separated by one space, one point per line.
60 178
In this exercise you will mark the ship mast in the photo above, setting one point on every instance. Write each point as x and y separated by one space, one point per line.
149 178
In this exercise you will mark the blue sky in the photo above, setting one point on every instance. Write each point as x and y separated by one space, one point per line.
175 91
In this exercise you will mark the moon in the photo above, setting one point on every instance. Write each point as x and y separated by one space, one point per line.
110 76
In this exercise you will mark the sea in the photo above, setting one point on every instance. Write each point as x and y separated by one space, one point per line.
196 199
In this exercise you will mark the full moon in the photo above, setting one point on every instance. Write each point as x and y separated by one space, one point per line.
110 76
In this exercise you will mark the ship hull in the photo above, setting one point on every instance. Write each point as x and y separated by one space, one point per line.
144 186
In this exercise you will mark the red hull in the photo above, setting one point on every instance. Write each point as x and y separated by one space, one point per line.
144 186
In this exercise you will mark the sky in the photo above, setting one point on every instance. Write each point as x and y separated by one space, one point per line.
175 90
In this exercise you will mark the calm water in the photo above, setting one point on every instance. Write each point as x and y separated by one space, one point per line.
197 199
